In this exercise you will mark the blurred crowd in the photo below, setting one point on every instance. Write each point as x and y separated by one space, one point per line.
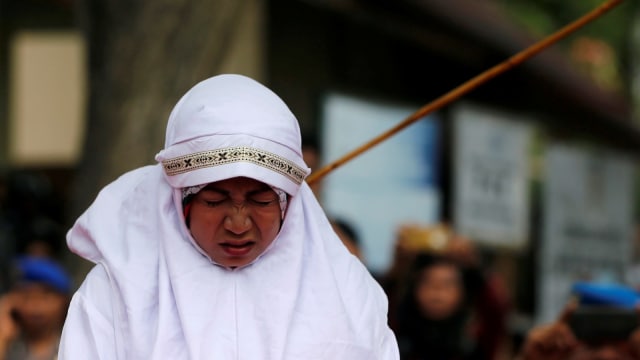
35 289
31 218
445 304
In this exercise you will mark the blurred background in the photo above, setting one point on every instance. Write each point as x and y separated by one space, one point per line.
537 168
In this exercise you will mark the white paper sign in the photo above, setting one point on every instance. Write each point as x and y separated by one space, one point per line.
490 177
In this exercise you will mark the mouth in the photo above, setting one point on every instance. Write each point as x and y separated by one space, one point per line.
237 249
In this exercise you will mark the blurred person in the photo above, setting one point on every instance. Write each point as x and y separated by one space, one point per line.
434 320
221 251
7 237
557 341
32 215
311 156
485 303
410 240
33 311
348 235
43 237
30 195
491 300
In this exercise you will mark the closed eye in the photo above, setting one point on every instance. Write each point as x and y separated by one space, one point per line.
263 202
211 203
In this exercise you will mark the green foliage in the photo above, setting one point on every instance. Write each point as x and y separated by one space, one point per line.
545 16
542 17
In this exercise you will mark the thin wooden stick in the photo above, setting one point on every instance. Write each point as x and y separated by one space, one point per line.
471 84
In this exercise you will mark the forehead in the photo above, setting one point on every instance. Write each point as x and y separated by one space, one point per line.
439 270
33 288
237 185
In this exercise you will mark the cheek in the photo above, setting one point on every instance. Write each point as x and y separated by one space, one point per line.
425 294
269 225
203 237
54 306
453 295
200 225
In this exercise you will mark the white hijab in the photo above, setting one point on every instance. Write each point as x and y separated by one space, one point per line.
161 297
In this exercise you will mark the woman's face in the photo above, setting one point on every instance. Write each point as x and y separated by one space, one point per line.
439 292
235 220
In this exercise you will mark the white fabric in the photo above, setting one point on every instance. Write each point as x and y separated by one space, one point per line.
154 295
229 111
192 190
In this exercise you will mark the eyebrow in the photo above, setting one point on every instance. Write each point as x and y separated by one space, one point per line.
216 190
226 192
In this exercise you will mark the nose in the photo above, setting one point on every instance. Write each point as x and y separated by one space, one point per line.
238 220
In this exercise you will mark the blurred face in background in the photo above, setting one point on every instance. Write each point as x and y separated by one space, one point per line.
439 292
39 308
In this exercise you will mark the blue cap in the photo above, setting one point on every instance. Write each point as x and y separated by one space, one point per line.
606 294
43 271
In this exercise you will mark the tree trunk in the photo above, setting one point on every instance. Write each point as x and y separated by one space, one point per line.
143 55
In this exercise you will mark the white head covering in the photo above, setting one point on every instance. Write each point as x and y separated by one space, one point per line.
231 126
305 297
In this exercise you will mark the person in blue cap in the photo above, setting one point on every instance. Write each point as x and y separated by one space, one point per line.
601 322
32 312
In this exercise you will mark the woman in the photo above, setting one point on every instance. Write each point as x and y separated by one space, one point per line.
221 251
434 320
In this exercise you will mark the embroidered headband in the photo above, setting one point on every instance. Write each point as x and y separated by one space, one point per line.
210 158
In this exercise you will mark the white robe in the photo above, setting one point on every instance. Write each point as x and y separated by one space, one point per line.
154 294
